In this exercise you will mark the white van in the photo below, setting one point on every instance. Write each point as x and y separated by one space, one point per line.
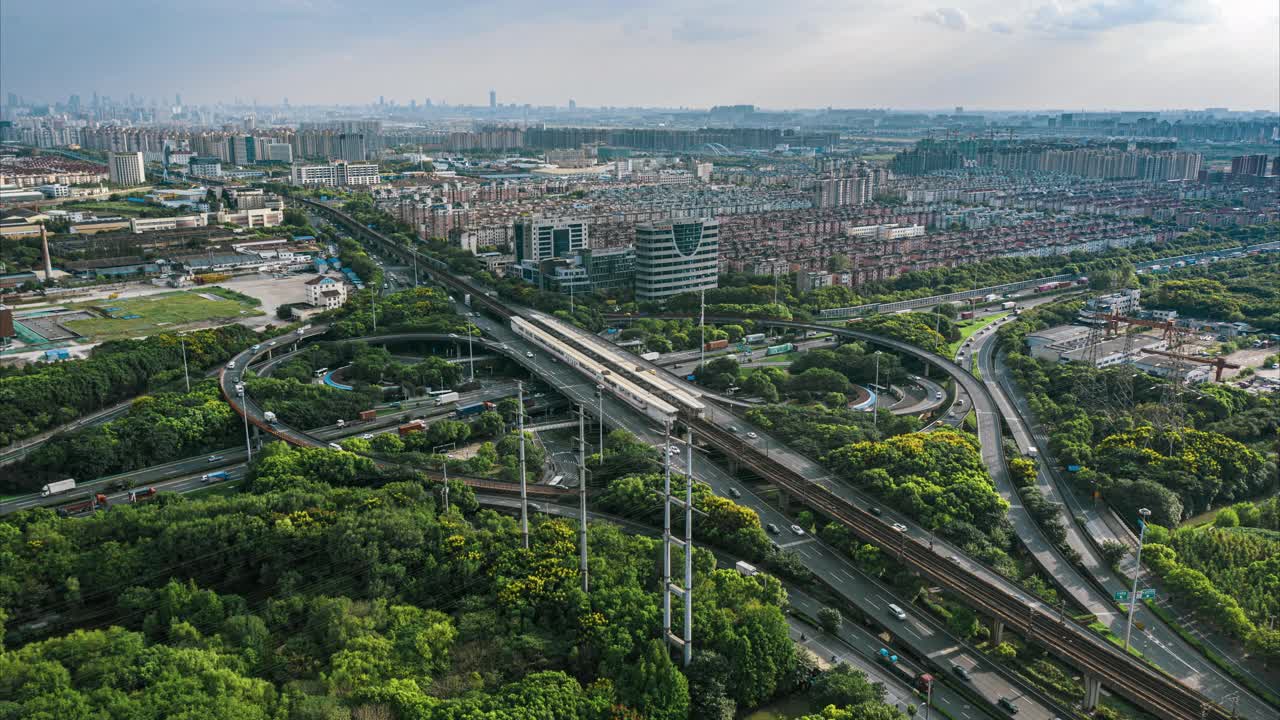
897 612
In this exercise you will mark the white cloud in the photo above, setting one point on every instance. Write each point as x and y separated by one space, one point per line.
947 17
1002 28
1103 15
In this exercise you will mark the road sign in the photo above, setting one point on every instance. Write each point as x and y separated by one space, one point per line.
1122 595
1148 594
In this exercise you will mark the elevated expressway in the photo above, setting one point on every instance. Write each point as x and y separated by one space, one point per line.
1099 660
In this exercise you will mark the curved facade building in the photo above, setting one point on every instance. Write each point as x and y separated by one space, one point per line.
676 256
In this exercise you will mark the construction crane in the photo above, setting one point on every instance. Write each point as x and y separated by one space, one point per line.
1219 363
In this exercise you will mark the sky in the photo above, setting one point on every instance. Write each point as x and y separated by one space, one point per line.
905 54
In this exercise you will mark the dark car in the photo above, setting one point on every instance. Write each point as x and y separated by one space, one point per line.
875 511
960 672
735 492
772 528
1008 705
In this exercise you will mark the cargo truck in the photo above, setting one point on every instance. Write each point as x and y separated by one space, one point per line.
269 417
142 495
920 682
87 503
716 345
746 568
368 414
472 409
215 476
1009 305
57 488
754 338
650 356
411 427
782 349
445 398
990 298
966 315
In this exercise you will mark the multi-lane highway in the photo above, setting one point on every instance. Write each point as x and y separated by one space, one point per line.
985 589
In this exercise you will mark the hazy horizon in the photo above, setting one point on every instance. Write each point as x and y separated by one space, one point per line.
911 55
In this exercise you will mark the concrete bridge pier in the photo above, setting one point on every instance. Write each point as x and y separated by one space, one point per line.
1092 691
997 631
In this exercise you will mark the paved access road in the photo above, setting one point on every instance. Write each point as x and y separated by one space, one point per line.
1156 640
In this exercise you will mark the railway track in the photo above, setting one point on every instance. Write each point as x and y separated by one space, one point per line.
1128 676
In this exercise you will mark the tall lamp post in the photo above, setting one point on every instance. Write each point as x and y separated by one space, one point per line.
185 374
600 418
1137 571
875 393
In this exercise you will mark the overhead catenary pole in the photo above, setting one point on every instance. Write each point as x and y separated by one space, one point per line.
875 392
248 446
445 466
688 546
666 536
524 490
471 356
582 496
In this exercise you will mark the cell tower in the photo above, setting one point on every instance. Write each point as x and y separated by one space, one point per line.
669 588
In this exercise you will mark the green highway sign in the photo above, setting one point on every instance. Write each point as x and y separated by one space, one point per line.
1148 594
1122 595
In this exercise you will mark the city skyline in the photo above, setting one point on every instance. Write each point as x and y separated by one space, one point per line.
912 55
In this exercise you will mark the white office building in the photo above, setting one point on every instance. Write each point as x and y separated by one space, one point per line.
537 239
676 256
337 173
127 168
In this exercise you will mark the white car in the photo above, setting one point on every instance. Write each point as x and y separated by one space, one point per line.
367 436
899 527
528 353
752 435
797 529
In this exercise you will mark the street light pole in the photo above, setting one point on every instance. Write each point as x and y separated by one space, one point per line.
524 492
928 698
702 327
471 356
600 418
1137 571
248 446
875 390
185 374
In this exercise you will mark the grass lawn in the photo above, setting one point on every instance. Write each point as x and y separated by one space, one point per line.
791 706
969 327
117 207
165 311
231 487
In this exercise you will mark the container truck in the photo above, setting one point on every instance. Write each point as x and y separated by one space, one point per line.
780 349
716 345
746 568
214 477
473 409
754 338
1008 305
368 414
269 417
411 427
650 356
966 315
920 681
87 503
57 488
991 298
466 299
445 398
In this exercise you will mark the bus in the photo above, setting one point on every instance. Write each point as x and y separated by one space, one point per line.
320 373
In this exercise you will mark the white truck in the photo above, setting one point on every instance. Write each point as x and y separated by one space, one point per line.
57 488
1008 305
445 398
650 356
269 417
746 568
1032 451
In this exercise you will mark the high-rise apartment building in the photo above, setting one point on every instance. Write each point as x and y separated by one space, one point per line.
537 239
1249 165
493 99
676 256
127 169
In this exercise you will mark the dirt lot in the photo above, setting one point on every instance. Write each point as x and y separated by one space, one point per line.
272 292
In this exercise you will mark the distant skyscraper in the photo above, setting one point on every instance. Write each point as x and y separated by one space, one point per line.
493 99
1249 165
127 169
381 100
676 256
573 104
177 99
